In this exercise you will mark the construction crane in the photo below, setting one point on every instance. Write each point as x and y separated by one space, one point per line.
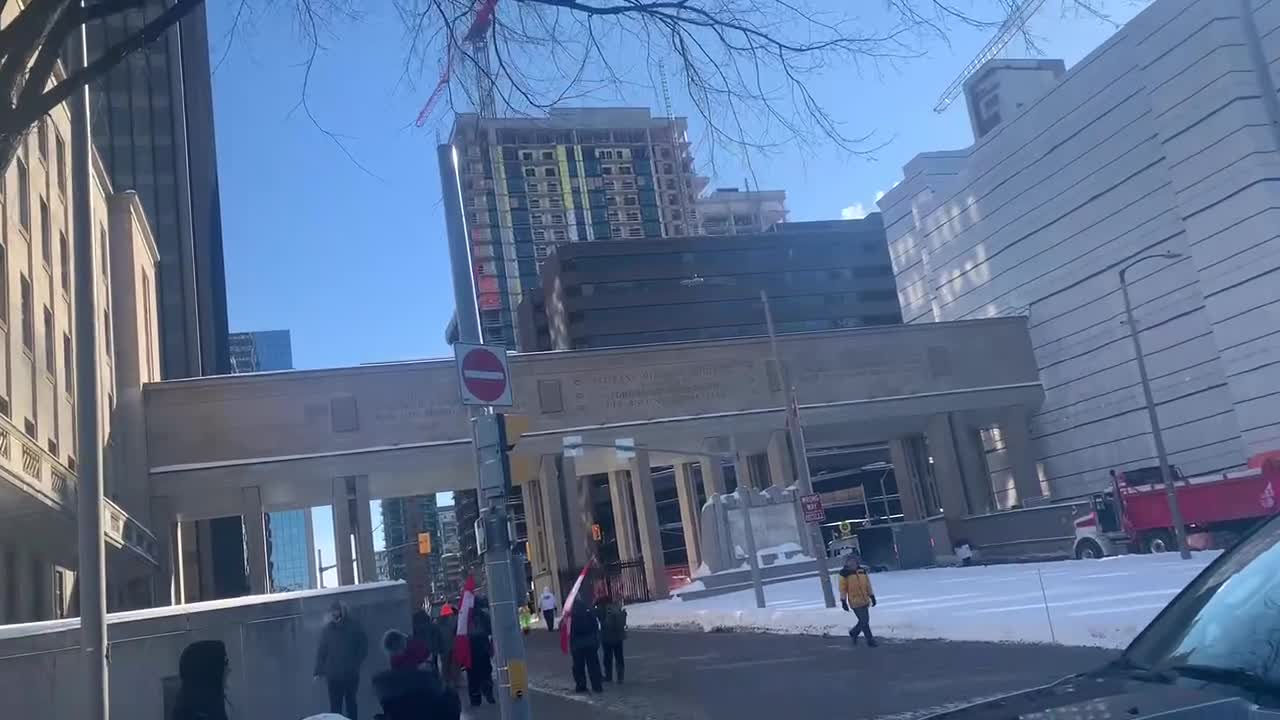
1017 20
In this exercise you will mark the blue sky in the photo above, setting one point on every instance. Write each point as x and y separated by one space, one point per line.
353 261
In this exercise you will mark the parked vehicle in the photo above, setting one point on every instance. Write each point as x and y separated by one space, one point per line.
1216 509
1209 654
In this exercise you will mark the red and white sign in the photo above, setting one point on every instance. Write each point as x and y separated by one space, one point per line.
812 507
483 374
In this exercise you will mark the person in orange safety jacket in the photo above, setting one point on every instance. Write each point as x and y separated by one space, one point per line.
857 595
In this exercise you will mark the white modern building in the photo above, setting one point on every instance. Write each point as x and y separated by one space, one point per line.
730 211
1166 139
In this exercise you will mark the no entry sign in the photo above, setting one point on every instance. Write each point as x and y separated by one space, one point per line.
483 375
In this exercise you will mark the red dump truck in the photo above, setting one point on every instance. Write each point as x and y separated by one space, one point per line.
1216 509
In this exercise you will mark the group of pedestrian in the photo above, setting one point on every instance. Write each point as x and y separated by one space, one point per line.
592 630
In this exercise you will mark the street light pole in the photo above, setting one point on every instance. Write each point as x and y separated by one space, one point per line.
804 481
1171 494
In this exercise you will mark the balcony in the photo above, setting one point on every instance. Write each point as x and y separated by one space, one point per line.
38 496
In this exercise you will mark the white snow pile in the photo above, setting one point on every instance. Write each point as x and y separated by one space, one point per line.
1102 603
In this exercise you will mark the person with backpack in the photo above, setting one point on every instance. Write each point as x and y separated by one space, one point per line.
613 631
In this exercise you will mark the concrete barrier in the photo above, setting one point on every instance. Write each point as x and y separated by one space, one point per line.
271 643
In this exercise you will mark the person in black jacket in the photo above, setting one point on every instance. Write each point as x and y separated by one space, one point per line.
202 671
480 635
613 631
342 650
584 645
415 694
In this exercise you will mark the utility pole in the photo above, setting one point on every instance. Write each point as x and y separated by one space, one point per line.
321 567
804 481
1171 494
92 565
489 438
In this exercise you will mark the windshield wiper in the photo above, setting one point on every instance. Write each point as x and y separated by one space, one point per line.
1238 677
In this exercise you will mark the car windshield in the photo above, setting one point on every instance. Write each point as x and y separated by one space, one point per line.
1227 619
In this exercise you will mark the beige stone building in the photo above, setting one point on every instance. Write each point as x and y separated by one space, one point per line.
38 435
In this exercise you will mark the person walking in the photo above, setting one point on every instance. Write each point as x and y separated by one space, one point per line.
613 631
856 595
446 631
343 647
480 636
202 674
548 604
420 649
584 645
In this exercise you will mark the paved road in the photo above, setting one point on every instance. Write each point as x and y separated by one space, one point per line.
737 676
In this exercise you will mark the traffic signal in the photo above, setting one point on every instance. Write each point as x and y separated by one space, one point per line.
597 533
424 543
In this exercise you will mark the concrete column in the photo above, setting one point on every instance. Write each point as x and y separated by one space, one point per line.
533 527
907 476
623 513
690 516
362 528
742 468
1015 430
342 532
6 578
22 578
553 526
200 577
781 470
255 539
655 568
169 537
712 476
961 471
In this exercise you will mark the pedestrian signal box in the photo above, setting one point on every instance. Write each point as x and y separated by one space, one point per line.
597 533
424 543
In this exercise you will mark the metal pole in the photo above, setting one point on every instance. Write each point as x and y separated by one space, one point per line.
1175 512
493 476
804 481
92 561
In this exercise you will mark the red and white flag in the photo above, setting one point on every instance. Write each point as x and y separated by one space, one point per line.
462 641
566 616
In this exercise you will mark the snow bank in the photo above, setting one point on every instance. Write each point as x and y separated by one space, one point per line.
1102 603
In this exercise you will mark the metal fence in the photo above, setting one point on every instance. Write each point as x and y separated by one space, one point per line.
623 581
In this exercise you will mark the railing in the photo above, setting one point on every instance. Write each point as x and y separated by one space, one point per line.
623 581
49 479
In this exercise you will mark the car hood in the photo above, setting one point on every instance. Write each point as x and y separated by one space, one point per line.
1115 696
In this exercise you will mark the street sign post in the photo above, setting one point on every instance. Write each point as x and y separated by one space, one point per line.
812 506
483 375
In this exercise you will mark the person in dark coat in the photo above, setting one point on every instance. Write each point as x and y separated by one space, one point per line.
343 647
422 647
480 635
584 645
415 694
613 631
202 672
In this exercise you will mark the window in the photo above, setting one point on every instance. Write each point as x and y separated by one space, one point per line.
541 251
615 231
106 331
667 169
526 155
556 201
609 185
64 268
532 187
628 184
557 219
534 203
24 195
613 216
60 158
624 169
553 186
673 199
68 366
548 155
46 234
549 172
606 170
539 235
28 318
531 172
664 153
536 219
635 231
611 201
559 235
677 215
630 200
671 184
50 357
102 249
633 216
42 136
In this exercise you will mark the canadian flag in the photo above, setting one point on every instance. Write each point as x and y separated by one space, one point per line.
566 616
462 641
